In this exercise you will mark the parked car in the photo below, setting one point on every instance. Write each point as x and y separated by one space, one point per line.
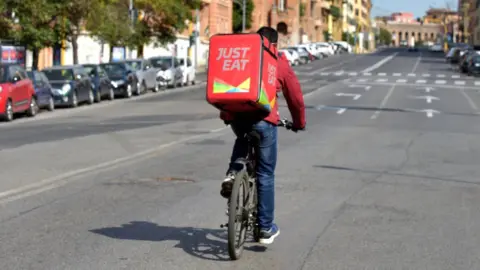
454 57
436 48
170 74
188 71
464 62
305 57
473 66
145 72
325 48
43 90
122 78
71 85
102 87
346 47
17 94
289 56
311 50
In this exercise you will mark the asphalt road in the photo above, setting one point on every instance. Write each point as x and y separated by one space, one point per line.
385 177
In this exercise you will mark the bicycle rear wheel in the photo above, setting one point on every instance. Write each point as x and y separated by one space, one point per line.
238 215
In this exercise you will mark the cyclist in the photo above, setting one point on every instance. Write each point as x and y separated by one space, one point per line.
287 81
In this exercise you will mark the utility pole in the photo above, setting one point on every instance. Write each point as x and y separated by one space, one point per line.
466 22
132 22
243 4
244 15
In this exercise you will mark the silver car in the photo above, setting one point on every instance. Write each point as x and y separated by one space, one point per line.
169 74
146 74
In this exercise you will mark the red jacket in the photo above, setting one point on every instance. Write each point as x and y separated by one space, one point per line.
287 82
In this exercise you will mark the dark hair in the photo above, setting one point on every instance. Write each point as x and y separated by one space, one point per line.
269 33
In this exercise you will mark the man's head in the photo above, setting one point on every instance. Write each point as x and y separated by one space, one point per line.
269 33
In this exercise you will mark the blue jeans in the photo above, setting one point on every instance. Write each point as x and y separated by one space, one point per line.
265 165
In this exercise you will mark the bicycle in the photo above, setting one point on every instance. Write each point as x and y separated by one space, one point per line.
245 182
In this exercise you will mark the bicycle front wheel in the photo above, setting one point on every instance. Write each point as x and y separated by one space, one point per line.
238 215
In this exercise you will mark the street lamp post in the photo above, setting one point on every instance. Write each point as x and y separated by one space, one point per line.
243 4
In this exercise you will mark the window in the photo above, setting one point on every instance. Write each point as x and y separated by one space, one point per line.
357 12
101 72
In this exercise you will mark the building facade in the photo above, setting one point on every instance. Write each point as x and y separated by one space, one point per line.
348 16
468 20
403 32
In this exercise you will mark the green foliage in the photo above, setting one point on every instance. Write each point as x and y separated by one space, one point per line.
384 37
335 11
302 9
4 22
237 15
326 36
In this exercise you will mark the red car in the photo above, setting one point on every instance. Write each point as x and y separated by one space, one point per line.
17 94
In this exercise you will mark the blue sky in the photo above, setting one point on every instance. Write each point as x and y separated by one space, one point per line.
418 7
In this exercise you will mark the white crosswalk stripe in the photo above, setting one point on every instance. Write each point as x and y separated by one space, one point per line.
382 74
460 82
367 74
441 75
455 76
397 74
421 81
352 73
401 81
440 82
412 74
477 83
362 80
382 80
426 75
324 73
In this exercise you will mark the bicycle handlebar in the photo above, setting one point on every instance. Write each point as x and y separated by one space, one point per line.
286 123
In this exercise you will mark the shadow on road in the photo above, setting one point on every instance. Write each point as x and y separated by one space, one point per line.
207 244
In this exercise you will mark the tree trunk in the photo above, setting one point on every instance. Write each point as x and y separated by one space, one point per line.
140 51
75 48
35 53
110 57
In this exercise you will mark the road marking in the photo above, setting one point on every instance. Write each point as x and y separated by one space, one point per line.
382 74
429 89
324 73
421 81
355 96
304 80
352 74
380 63
367 74
455 76
401 81
341 111
397 74
417 63
460 82
57 181
441 75
366 87
429 112
384 102
338 73
382 80
477 83
362 80
427 98
426 75
470 101
440 82
411 75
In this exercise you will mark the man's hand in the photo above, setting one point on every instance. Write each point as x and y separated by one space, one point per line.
296 129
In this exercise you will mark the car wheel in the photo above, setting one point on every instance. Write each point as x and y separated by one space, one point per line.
51 104
98 96
193 82
186 81
74 100
91 97
128 91
143 88
111 93
138 90
33 108
8 116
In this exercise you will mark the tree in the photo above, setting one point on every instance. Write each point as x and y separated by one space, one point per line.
162 21
34 24
237 15
385 37
75 13
4 22
108 23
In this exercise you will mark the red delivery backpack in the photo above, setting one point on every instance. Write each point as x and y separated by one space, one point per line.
242 73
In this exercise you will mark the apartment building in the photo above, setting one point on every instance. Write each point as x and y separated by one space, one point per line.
349 24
